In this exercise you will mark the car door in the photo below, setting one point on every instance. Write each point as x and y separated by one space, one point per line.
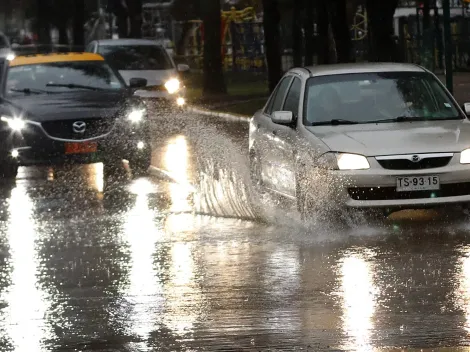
283 141
268 158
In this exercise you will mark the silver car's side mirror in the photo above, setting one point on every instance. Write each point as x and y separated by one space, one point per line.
282 117
466 108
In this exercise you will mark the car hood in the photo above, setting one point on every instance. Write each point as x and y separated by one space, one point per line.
64 106
396 138
153 77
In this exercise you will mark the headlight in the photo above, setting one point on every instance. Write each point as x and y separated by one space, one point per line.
172 85
15 123
352 162
136 115
465 156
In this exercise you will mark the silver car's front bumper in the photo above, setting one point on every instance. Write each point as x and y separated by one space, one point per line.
376 187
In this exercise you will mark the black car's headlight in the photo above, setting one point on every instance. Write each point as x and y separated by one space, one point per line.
15 123
136 115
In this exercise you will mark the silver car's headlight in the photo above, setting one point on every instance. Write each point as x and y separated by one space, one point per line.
173 85
348 161
465 156
15 123
136 116
343 161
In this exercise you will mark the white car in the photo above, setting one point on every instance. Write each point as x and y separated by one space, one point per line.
387 136
142 58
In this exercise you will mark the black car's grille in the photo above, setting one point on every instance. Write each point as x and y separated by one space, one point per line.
425 163
386 193
94 127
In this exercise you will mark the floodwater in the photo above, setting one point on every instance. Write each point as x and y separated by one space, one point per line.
190 258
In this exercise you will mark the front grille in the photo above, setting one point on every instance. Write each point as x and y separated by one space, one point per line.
425 163
95 127
387 193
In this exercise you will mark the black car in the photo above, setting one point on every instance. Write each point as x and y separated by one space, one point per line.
69 108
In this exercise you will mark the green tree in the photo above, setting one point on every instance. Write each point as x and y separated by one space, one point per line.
213 81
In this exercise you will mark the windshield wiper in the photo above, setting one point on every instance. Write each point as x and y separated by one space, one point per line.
72 86
415 118
335 122
29 91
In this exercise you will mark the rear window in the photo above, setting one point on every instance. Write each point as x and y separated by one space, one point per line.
136 57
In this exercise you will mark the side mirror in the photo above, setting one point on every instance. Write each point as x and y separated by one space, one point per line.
183 68
466 108
137 82
282 117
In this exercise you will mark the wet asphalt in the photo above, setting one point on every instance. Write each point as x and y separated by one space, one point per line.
190 258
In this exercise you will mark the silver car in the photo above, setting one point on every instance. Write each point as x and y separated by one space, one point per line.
387 136
141 58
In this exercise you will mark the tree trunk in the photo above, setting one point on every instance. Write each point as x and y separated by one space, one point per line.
323 25
340 28
181 44
308 32
43 22
297 33
271 19
382 44
62 28
135 16
214 83
78 24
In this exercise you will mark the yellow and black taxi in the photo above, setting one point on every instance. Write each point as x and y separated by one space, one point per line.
69 108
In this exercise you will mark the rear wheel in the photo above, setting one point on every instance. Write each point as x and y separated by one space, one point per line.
8 170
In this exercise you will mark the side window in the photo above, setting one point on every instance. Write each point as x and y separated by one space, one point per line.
281 92
293 97
277 95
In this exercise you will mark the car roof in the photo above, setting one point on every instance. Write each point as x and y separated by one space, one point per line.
55 57
124 42
338 69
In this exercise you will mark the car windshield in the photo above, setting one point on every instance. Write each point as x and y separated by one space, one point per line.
61 77
377 97
136 57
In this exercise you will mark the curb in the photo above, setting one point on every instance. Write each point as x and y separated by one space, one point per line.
219 114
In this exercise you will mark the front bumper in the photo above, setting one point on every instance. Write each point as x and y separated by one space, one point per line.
376 187
163 99
34 146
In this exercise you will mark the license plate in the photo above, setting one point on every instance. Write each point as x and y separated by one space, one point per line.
81 147
418 183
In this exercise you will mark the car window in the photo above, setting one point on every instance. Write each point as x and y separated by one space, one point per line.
60 77
376 96
293 97
280 94
136 57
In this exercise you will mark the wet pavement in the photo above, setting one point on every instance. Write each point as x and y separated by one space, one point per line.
190 258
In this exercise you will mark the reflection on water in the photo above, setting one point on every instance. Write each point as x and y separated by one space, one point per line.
183 295
26 306
141 234
359 299
463 288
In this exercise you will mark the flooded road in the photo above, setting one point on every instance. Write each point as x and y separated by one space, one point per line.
182 260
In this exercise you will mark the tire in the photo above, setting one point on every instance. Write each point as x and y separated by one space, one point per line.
8 170
113 172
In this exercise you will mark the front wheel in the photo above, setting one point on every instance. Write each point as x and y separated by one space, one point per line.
8 170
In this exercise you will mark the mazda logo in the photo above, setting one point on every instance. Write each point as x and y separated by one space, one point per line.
415 158
79 127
